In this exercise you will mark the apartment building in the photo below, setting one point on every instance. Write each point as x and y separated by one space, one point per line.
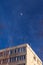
19 55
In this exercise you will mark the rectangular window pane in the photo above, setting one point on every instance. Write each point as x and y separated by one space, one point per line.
23 49
13 59
21 58
19 49
15 50
11 51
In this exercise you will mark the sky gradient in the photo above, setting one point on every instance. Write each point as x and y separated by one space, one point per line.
21 21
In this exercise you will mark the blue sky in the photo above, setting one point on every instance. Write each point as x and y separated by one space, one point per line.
21 21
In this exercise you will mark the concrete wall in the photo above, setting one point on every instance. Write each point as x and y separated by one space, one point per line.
32 58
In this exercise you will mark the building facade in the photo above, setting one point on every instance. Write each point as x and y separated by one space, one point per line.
19 55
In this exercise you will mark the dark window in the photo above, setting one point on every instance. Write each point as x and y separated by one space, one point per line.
11 51
19 49
34 58
14 50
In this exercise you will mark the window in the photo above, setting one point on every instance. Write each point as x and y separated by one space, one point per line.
1 54
19 49
13 59
18 58
21 58
14 50
5 60
11 51
6 53
34 58
23 49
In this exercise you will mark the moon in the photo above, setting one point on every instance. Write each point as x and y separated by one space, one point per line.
21 14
